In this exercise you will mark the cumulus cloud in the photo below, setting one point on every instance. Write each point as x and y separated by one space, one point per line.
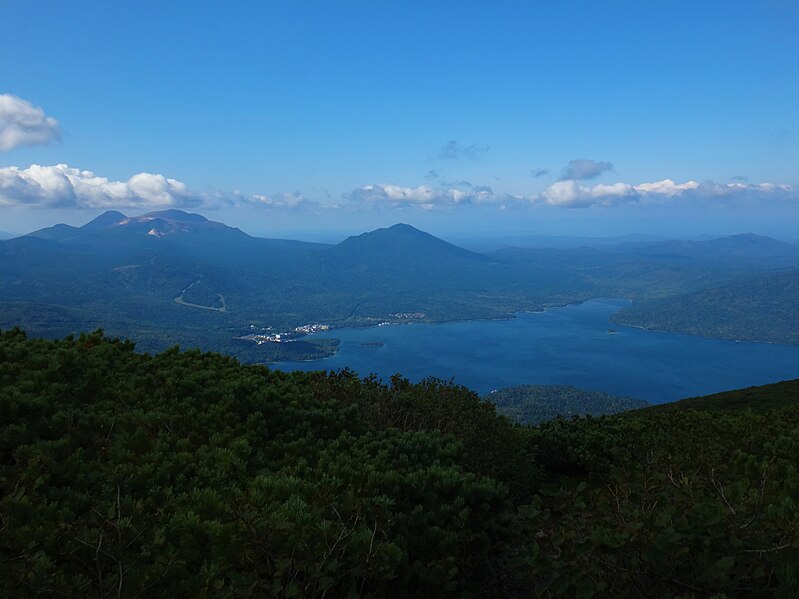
23 124
572 194
424 196
581 169
62 186
453 150
669 188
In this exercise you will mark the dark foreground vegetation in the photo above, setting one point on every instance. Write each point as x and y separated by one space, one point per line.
187 474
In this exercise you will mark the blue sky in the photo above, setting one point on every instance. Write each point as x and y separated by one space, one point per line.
462 117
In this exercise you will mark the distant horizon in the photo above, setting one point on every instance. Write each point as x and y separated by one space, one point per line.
481 239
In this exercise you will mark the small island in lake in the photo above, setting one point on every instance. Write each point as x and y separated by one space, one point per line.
373 344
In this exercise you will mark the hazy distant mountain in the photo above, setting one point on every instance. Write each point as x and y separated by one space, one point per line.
172 275
4 235
116 228
402 257
400 244
489 243
178 233
749 244
745 246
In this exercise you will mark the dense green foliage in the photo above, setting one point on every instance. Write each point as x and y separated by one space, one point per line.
674 503
532 404
197 328
762 398
187 474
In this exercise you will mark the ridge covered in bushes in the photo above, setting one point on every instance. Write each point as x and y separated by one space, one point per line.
188 474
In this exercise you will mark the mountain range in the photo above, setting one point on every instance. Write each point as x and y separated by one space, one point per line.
174 277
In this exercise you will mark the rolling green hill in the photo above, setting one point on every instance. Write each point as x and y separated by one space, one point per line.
763 307
532 404
766 397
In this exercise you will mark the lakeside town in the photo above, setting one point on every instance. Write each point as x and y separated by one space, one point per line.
270 336
285 336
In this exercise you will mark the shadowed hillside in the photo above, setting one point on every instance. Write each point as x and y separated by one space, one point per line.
189 474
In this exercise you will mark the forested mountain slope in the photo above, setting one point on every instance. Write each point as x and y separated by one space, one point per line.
172 276
762 307
186 474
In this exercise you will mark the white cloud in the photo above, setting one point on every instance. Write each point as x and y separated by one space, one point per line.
424 196
568 194
565 193
64 186
666 187
67 187
571 194
23 124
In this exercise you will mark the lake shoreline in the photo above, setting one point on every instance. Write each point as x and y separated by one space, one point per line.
512 316
560 345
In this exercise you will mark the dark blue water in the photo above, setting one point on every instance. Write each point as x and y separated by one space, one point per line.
563 346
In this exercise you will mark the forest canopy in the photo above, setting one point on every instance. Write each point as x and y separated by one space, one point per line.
189 474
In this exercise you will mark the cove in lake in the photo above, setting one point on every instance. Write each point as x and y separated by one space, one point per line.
573 345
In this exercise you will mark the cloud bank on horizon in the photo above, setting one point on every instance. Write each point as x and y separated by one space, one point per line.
23 124
572 194
62 186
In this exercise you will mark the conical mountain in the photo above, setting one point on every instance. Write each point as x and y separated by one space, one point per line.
399 245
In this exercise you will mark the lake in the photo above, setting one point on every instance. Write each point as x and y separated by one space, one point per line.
573 345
